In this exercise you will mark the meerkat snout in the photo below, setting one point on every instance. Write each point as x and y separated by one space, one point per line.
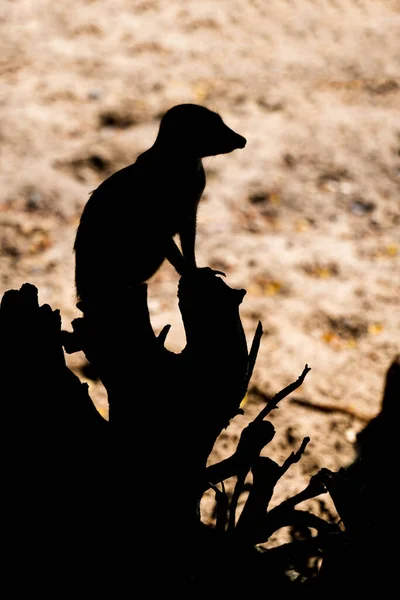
232 140
241 142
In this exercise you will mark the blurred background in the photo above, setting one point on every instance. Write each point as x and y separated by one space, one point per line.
306 218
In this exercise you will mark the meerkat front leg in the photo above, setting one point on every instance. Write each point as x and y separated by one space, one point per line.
175 257
188 240
187 236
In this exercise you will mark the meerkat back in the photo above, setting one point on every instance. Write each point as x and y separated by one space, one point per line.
116 241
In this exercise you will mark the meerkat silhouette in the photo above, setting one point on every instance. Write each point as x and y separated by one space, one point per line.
128 224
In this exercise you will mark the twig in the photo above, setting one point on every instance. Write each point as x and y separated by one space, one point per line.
241 477
315 488
162 336
294 457
255 346
222 502
252 440
289 517
282 394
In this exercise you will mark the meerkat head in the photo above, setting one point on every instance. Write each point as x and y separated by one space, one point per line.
193 130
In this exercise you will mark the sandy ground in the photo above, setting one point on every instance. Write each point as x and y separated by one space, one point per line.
306 217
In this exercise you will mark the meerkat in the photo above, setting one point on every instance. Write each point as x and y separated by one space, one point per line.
127 227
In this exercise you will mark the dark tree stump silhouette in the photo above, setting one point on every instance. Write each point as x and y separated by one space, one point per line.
81 492
51 435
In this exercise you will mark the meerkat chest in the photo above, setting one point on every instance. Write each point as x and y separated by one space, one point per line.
185 187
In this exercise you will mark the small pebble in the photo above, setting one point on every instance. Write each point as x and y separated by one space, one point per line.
359 207
94 94
33 201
